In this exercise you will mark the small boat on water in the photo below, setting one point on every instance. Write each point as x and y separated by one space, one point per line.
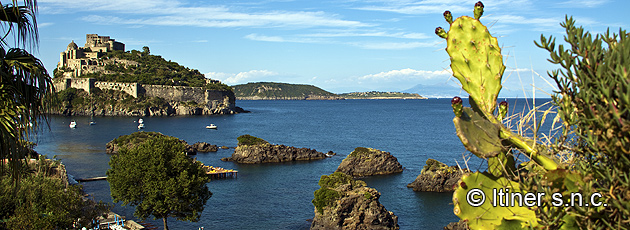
141 126
140 121
73 124
211 126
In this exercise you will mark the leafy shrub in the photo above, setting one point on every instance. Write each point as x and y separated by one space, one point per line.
324 197
250 140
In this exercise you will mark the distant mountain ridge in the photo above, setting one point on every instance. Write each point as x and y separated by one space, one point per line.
437 90
381 95
281 91
286 91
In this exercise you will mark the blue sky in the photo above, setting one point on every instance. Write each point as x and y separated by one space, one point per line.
340 46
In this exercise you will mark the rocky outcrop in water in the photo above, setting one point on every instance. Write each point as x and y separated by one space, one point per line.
367 162
203 147
461 225
345 203
265 153
137 138
437 177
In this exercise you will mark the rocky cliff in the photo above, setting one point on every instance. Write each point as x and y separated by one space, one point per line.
345 203
437 177
77 102
265 153
367 162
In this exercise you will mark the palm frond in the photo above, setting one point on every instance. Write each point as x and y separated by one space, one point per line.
20 22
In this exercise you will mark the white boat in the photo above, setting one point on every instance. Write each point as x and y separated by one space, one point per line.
92 122
141 126
73 124
211 126
140 121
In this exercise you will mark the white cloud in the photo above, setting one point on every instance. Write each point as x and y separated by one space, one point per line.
582 3
242 77
407 74
174 13
369 34
392 45
44 24
264 38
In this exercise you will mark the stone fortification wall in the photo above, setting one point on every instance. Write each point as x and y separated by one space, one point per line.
175 93
130 88
212 101
185 94
80 83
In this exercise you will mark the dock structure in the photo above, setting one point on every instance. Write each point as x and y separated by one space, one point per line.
91 179
220 173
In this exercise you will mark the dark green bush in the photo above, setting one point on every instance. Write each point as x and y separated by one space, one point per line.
324 197
250 140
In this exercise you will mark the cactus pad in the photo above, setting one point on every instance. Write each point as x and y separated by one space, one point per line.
479 136
486 215
476 61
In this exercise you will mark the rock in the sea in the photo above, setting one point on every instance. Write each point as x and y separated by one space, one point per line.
204 147
254 150
461 225
345 203
264 153
437 177
367 162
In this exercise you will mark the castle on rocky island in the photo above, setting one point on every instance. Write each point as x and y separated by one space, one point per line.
87 59
76 61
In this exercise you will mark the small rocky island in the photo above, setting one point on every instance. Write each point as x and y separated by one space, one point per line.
367 162
345 203
437 177
137 138
253 150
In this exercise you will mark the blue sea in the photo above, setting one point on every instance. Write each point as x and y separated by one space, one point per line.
278 195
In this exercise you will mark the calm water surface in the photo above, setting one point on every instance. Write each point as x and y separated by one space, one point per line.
278 196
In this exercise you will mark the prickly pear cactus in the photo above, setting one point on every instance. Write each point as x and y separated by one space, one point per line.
481 190
476 59
479 136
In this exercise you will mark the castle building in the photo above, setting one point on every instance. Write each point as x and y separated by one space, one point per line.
85 59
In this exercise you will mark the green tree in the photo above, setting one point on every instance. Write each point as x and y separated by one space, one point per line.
41 200
24 83
145 50
160 180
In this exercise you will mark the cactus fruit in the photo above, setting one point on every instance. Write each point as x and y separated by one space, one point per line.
448 16
479 136
456 103
478 10
495 211
476 60
440 32
503 109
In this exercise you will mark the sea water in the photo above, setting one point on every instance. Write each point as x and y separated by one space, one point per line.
279 195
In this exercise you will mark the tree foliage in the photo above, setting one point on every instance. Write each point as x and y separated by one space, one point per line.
593 102
24 83
160 180
40 200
